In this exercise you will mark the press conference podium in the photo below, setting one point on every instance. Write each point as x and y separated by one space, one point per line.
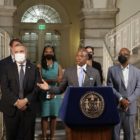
84 121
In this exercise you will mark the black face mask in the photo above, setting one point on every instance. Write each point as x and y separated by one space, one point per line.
89 56
122 59
49 56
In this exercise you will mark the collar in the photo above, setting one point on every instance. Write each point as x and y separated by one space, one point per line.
127 67
84 67
24 64
13 58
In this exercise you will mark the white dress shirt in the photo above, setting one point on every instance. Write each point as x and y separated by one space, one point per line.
79 69
125 72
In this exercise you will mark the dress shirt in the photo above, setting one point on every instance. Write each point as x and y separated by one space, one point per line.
79 68
125 72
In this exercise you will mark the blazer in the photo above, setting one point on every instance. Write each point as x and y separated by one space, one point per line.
97 66
115 79
70 78
3 63
10 87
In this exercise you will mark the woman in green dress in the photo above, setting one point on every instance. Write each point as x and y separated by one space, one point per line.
51 72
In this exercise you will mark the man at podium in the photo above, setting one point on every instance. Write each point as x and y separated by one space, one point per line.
80 75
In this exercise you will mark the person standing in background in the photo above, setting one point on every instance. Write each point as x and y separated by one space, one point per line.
13 43
93 63
10 59
51 72
124 78
19 96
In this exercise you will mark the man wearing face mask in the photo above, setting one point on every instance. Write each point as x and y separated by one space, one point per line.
19 94
10 59
125 80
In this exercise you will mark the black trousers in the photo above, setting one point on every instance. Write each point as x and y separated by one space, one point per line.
20 126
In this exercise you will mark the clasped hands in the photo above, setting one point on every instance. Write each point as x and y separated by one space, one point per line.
21 104
124 103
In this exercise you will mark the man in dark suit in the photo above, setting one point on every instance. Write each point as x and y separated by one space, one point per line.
10 58
125 80
93 63
72 75
19 94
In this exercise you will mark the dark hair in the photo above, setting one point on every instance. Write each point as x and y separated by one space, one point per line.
14 40
89 47
43 58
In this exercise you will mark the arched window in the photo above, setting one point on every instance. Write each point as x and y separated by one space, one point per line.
37 12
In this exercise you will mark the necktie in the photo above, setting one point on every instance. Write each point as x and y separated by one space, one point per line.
21 79
81 77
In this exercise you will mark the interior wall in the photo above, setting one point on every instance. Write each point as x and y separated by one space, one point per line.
73 9
126 9
69 12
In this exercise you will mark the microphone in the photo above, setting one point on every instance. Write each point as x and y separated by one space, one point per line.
90 78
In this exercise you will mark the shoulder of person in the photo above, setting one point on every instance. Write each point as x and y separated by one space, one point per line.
71 68
97 63
134 67
6 60
90 68
115 66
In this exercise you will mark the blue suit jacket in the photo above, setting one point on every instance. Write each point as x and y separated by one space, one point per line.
115 79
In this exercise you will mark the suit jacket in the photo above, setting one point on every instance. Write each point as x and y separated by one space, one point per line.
3 63
10 87
70 78
97 66
116 80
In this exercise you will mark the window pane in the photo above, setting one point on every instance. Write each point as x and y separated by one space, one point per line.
35 13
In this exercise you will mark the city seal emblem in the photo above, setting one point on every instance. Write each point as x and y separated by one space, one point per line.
92 104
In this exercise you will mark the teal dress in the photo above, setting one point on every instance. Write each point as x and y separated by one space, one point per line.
50 107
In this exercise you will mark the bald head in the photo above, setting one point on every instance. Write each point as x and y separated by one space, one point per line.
124 51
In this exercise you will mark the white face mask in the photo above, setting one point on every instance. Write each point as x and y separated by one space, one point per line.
20 57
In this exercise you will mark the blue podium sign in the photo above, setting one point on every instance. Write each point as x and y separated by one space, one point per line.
89 107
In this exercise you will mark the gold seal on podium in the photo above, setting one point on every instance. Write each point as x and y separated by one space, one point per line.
92 104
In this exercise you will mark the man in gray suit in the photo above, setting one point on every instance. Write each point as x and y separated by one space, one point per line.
79 75
88 75
125 80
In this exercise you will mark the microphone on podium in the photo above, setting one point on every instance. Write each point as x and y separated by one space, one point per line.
90 78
